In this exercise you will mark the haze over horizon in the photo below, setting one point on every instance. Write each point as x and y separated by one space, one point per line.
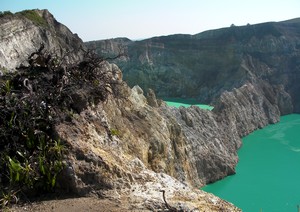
95 20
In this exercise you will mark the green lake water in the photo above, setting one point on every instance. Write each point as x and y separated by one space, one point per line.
268 173
177 102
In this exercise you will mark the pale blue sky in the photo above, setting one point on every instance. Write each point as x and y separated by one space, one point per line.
135 19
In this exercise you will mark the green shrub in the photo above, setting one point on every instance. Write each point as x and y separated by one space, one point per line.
34 17
31 157
33 101
5 13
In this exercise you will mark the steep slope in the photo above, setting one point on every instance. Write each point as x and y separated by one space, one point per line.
119 146
23 33
205 65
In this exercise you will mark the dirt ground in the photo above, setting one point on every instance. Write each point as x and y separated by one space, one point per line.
72 205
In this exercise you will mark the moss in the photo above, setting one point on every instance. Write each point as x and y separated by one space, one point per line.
34 17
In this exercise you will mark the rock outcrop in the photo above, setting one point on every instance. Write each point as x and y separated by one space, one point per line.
131 151
24 32
251 107
204 65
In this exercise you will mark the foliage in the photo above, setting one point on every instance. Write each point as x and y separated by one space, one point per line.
114 132
7 198
32 101
5 13
34 17
3 70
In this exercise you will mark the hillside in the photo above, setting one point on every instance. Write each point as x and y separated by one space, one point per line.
22 33
204 65
70 125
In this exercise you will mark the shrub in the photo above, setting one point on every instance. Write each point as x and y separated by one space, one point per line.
34 17
5 13
32 102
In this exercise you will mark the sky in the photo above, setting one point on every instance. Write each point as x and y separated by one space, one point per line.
140 19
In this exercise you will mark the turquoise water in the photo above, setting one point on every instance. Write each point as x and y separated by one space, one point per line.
268 173
176 102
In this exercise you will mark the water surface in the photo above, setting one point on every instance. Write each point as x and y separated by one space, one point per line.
268 173
177 102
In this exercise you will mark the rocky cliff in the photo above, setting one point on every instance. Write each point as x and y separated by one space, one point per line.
131 147
205 65
23 33
129 150
127 147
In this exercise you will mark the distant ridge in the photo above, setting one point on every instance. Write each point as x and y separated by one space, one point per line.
204 65
18 41
291 21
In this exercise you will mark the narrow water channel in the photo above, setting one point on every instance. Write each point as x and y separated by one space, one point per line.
177 102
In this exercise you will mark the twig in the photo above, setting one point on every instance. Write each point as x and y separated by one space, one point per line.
170 208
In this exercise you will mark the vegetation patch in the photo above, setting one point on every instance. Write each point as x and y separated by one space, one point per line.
5 13
114 132
33 101
34 17
3 70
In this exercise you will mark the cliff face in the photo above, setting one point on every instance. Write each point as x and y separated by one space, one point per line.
130 147
129 150
127 147
205 65
24 32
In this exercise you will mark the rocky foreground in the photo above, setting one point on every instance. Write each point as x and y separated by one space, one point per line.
130 147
